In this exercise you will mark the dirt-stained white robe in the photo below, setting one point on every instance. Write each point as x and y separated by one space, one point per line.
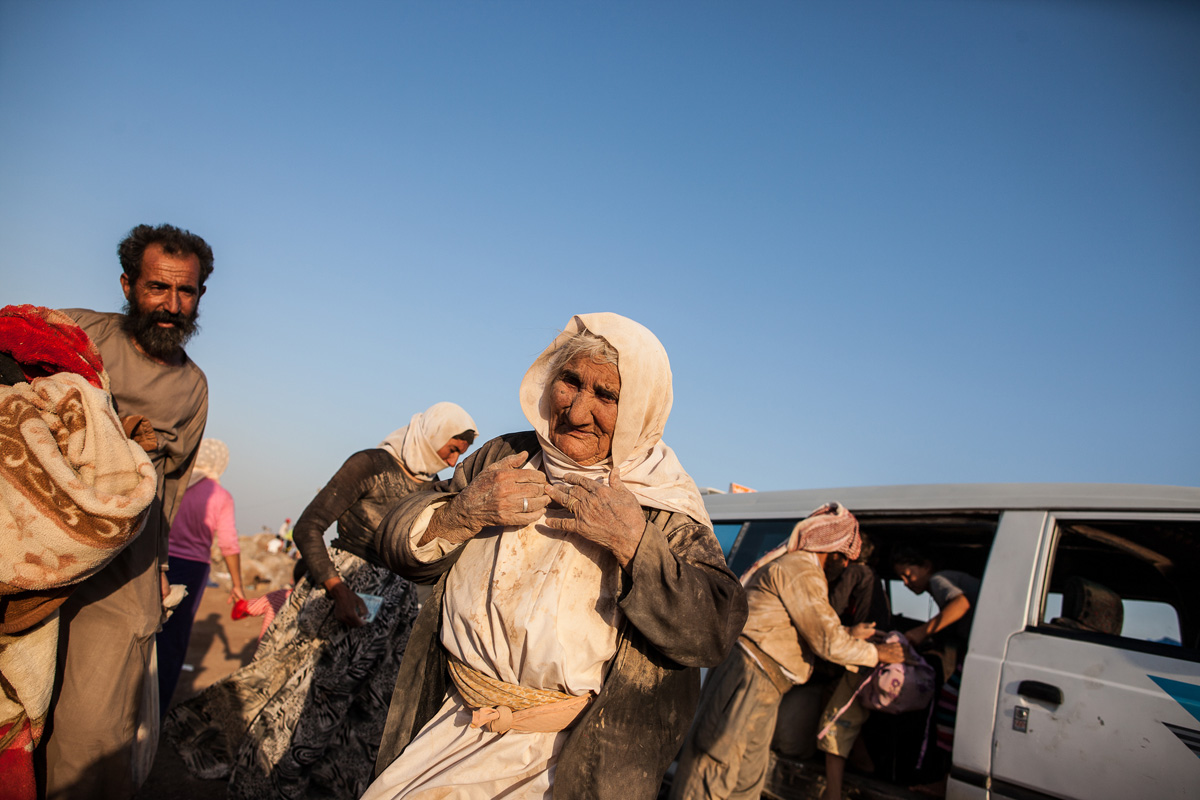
531 606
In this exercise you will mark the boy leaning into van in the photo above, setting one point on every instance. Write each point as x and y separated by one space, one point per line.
944 635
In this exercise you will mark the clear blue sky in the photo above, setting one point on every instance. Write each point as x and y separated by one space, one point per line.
882 242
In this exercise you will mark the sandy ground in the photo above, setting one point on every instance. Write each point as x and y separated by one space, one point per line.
218 647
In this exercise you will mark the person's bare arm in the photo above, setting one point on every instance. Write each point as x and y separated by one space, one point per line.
889 652
233 561
955 610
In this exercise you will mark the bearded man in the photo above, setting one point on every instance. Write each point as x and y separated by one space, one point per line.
104 723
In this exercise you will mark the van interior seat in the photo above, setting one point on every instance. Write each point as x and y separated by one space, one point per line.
1089 606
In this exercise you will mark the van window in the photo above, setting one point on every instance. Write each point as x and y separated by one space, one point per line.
908 604
953 541
727 534
1128 582
759 537
1144 620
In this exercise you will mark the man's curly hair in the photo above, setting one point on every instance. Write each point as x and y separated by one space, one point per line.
174 241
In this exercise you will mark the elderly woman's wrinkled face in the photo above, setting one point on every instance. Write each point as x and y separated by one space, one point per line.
583 410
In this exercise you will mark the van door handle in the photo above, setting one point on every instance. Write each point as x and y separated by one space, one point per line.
1037 690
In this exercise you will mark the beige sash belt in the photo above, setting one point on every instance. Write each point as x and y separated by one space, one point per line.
499 707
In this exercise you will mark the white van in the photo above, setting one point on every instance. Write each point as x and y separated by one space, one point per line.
1051 706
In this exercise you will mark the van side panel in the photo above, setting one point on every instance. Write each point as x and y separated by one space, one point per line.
1002 610
957 790
1112 731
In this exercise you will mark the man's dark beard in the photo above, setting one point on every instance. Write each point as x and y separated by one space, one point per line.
160 343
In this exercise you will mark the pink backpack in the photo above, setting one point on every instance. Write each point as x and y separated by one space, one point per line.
893 688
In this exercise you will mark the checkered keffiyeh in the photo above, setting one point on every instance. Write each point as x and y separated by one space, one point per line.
829 529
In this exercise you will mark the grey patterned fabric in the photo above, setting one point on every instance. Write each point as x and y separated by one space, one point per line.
304 719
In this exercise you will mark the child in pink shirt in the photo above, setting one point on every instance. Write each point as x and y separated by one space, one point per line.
205 514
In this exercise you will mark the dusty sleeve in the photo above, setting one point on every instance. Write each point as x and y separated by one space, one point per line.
396 544
224 526
344 489
679 593
803 592
435 549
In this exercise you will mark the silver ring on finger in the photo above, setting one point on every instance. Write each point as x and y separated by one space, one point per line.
525 505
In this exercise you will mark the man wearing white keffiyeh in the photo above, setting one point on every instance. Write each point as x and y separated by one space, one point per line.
579 589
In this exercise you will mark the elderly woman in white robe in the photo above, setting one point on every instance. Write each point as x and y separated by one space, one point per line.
579 589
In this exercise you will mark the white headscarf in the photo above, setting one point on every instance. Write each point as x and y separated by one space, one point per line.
212 457
648 467
416 444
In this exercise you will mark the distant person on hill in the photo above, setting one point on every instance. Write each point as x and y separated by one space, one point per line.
282 543
205 514
305 718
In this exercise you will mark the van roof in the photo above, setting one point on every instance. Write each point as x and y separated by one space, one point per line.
958 497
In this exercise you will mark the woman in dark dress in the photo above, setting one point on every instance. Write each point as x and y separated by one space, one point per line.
304 719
